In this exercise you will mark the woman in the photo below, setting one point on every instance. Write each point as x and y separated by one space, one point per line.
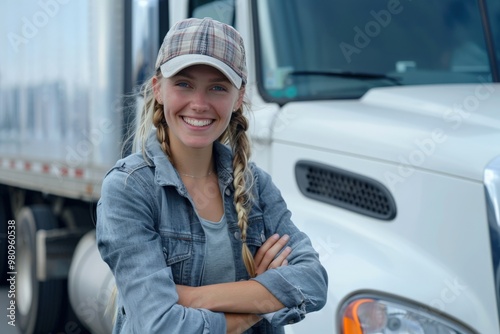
199 239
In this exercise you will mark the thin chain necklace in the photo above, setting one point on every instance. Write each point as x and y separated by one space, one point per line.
196 177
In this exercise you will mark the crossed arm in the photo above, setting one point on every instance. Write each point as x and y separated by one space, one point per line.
241 302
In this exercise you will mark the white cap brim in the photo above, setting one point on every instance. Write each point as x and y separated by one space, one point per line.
175 65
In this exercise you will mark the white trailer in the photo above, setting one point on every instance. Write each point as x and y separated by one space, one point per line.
66 66
378 120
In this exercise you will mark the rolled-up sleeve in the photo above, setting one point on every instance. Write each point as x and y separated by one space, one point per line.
302 285
131 246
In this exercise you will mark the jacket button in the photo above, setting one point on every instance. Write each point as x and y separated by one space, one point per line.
237 235
228 192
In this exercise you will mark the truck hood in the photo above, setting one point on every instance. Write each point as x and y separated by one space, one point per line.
451 129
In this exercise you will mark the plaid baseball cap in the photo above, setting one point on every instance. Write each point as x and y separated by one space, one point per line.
203 41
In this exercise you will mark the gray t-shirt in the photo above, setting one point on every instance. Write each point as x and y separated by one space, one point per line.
219 265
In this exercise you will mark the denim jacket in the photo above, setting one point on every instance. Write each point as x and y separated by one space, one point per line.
149 234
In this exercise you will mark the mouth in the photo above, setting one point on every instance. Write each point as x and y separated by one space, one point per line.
197 122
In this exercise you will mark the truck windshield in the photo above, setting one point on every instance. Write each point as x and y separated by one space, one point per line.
327 49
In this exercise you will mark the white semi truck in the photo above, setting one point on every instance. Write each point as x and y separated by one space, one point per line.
378 120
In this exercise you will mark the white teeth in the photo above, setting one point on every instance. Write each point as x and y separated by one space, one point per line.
197 122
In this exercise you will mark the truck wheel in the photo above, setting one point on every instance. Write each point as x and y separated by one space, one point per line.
38 303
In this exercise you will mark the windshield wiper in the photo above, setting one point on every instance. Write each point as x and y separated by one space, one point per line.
348 74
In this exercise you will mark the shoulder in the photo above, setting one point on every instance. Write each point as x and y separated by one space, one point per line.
131 163
261 179
257 172
129 172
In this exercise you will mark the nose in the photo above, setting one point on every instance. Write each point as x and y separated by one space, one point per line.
199 103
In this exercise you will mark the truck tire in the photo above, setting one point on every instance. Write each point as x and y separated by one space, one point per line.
38 303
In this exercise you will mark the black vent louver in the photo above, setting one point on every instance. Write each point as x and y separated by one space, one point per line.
344 189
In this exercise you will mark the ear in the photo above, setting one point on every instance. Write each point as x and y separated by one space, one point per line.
156 89
239 101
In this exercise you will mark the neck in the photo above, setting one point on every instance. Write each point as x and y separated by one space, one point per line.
195 163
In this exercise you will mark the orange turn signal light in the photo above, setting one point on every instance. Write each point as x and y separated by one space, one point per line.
364 316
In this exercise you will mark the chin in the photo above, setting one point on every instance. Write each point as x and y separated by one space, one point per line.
198 144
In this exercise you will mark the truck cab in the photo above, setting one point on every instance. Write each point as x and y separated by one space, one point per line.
379 122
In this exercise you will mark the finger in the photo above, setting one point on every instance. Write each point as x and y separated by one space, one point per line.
269 252
272 252
283 264
265 247
281 260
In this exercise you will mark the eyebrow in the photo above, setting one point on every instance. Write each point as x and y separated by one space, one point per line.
184 73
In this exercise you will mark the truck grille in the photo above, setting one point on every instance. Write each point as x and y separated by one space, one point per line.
344 189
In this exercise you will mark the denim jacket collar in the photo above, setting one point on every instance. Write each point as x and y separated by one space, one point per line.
167 175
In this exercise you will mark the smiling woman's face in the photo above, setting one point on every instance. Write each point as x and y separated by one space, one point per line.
197 103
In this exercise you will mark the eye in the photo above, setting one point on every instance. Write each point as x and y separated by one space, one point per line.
219 88
182 84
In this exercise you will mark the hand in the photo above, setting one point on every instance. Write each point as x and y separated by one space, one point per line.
265 256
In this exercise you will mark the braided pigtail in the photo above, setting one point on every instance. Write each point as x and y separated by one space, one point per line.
161 128
238 140
152 115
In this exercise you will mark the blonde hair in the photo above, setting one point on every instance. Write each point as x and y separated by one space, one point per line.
235 135
150 105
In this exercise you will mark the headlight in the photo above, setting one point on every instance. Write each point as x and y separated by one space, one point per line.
369 314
